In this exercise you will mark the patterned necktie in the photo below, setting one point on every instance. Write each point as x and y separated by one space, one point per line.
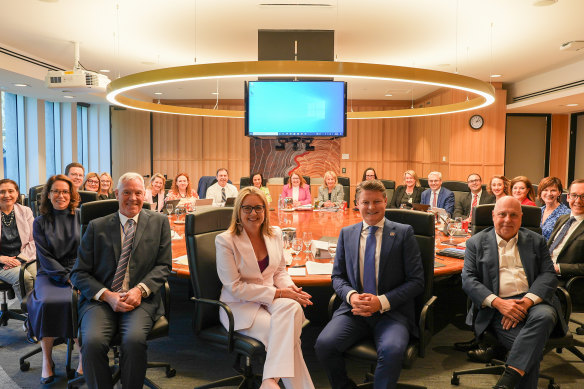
562 234
125 257
475 200
223 196
434 199
369 283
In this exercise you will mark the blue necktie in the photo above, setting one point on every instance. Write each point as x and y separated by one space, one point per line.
369 284
562 234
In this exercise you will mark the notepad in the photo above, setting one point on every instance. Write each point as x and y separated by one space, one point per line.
319 268
182 260
296 271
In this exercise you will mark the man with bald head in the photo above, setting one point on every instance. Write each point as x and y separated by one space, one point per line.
510 278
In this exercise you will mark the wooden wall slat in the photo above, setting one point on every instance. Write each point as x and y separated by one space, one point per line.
559 147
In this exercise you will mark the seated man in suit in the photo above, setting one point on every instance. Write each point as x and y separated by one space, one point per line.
510 278
124 260
477 196
377 274
76 173
566 243
437 196
221 190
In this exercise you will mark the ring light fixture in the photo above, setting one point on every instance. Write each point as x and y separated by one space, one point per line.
483 91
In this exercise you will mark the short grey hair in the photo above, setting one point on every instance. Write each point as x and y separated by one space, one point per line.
130 176
435 174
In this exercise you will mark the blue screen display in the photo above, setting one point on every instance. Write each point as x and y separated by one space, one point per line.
296 108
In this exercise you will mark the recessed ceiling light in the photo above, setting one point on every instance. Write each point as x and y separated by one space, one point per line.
104 70
571 105
68 97
21 85
543 3
157 93
388 95
214 93
495 75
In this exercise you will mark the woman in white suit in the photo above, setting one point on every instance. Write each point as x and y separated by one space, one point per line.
266 304
331 193
155 192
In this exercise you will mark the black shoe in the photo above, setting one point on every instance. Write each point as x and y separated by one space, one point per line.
484 355
467 346
501 387
508 380
47 380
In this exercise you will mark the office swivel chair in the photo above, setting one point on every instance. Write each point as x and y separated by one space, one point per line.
90 211
482 218
346 183
201 229
33 198
423 225
575 287
389 190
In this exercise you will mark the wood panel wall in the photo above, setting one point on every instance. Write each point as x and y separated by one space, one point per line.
130 138
560 142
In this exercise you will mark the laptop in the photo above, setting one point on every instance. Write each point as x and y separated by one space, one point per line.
420 207
174 204
201 202
230 202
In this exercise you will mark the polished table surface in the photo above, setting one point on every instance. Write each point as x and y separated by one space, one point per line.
321 224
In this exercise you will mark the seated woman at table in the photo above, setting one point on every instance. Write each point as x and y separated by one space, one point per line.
266 304
16 242
257 179
155 192
56 234
181 189
368 174
522 190
549 191
330 193
91 183
298 190
106 187
498 186
409 193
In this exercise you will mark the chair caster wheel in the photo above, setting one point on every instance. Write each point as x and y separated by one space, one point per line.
170 373
553 386
70 374
24 366
455 380
580 331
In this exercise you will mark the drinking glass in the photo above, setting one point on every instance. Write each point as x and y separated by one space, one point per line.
307 237
332 249
169 209
296 246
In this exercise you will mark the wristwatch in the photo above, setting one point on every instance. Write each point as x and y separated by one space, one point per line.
144 293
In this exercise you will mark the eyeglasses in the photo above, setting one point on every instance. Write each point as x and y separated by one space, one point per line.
249 208
60 192
95 182
574 196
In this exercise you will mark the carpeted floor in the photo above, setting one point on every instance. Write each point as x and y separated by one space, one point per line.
197 363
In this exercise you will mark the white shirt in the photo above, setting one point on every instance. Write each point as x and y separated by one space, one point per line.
432 196
295 191
571 230
362 243
214 192
512 277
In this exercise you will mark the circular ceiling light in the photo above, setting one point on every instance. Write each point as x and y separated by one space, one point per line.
485 93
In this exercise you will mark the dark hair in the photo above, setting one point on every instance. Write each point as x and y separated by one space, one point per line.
525 180
577 181
365 173
174 187
73 164
220 169
546 182
9 181
372 185
257 174
46 206
474 174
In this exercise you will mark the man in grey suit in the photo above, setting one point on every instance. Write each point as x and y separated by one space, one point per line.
477 196
567 240
510 278
124 260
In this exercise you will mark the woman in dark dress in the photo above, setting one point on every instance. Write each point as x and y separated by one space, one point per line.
409 193
56 234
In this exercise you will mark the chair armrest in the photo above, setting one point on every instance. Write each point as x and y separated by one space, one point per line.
426 323
227 310
331 305
23 268
166 299
573 283
565 302
75 312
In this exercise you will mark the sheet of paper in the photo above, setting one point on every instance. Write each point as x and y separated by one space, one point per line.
174 235
182 260
288 256
319 268
297 271
320 244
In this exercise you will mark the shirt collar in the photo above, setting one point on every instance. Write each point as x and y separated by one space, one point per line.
577 217
437 190
512 240
124 218
380 224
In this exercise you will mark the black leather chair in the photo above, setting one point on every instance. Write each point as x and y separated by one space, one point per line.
575 287
346 183
167 183
87 196
557 342
246 181
459 188
306 178
201 229
389 190
33 196
482 218
423 225
90 211
424 183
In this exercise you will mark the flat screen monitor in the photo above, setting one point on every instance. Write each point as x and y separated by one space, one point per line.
296 109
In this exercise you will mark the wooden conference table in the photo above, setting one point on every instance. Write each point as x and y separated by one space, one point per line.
321 224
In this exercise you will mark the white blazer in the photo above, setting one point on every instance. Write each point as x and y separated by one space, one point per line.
245 288
148 199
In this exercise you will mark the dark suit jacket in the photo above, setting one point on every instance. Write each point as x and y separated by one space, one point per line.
462 206
480 275
399 193
400 278
571 258
100 250
445 199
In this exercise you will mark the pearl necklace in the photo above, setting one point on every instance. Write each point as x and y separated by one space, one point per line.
7 219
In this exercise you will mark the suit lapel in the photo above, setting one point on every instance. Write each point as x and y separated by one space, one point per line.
490 247
355 240
577 232
244 245
559 224
523 245
387 240
114 227
142 224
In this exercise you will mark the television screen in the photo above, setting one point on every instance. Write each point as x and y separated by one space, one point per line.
296 108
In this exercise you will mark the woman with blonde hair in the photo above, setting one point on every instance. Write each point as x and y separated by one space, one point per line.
410 192
298 190
331 193
155 192
91 183
266 304
498 186
106 187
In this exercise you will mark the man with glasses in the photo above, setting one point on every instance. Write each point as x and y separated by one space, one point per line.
436 196
566 243
466 204
76 172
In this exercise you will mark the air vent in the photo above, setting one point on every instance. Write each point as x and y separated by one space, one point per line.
572 46
549 90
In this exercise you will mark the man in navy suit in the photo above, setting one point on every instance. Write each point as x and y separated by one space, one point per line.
377 274
437 196
510 278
